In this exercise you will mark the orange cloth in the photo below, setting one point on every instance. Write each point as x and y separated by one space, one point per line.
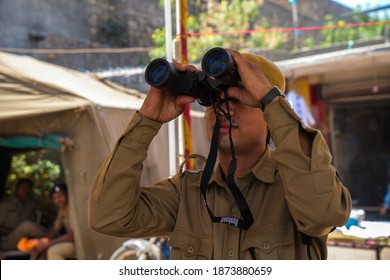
26 244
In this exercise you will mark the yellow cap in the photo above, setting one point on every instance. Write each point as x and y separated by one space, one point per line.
272 72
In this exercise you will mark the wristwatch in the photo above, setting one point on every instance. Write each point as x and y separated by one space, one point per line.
270 96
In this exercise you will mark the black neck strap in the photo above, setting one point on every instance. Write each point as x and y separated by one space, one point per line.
247 219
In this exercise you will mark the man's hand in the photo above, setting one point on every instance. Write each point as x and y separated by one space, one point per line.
254 84
161 106
42 245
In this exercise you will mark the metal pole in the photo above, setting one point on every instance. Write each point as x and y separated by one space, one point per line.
178 57
296 32
171 125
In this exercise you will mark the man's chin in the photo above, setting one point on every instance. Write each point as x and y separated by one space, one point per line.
224 144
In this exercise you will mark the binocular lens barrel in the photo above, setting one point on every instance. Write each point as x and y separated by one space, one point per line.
218 62
158 72
219 72
215 62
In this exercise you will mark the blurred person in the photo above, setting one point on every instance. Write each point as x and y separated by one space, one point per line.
299 105
58 244
291 197
19 216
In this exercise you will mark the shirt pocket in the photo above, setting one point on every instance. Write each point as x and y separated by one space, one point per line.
270 242
187 245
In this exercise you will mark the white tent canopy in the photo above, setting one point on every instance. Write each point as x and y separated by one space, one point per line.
64 82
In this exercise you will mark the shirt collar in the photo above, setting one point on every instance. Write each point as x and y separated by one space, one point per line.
264 170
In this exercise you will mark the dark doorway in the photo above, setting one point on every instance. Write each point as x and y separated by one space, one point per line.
361 149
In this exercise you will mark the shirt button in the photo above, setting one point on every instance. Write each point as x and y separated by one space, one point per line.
266 246
231 253
190 249
234 209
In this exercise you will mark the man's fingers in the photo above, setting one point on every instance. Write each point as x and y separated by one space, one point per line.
184 99
182 67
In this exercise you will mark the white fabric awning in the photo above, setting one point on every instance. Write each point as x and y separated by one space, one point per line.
30 86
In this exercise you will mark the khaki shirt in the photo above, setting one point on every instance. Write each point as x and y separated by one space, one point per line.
63 219
12 212
287 193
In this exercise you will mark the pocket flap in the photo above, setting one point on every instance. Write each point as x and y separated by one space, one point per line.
191 244
268 237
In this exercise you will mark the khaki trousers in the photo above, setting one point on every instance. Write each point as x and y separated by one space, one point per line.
27 229
61 251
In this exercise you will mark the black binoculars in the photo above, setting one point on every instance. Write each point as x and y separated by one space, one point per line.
218 73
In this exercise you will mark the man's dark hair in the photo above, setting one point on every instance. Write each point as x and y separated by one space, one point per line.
61 187
25 180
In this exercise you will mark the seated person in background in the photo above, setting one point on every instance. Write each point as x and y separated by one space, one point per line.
59 244
18 216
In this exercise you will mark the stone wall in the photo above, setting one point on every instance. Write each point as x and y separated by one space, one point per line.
80 24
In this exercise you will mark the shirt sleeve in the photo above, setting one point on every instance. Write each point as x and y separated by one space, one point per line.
117 198
316 198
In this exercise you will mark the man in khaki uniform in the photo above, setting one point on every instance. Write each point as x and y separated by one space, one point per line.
289 190
59 243
19 216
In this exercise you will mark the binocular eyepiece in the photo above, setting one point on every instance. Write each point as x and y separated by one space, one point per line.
218 73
